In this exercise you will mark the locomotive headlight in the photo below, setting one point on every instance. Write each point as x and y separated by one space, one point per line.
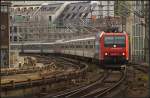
106 53
123 53
114 46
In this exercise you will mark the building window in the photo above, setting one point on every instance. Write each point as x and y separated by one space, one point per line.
15 29
50 18
4 9
25 9
73 15
80 14
85 15
43 8
18 9
73 8
85 8
67 16
10 38
10 18
12 9
51 9
10 29
80 7
31 30
15 38
30 8
20 29
25 29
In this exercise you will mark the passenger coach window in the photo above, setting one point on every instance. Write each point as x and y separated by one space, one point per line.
110 41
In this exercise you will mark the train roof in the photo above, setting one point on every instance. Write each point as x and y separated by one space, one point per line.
53 43
112 33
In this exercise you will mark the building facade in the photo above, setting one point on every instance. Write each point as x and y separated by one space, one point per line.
138 33
41 22
137 27
147 34
4 34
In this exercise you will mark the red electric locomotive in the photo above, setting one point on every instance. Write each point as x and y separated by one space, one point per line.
114 47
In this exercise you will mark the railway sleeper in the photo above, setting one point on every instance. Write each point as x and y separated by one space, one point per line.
110 81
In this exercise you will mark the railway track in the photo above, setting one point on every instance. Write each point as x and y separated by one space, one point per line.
21 71
96 89
45 79
41 59
24 70
141 68
137 80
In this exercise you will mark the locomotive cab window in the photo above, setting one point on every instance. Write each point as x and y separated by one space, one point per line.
110 41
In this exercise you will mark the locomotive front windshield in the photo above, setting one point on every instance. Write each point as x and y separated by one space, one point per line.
110 41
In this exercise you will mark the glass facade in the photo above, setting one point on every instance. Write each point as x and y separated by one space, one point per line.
138 34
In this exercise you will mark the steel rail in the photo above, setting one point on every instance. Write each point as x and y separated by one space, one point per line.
98 92
75 90
123 76
17 85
